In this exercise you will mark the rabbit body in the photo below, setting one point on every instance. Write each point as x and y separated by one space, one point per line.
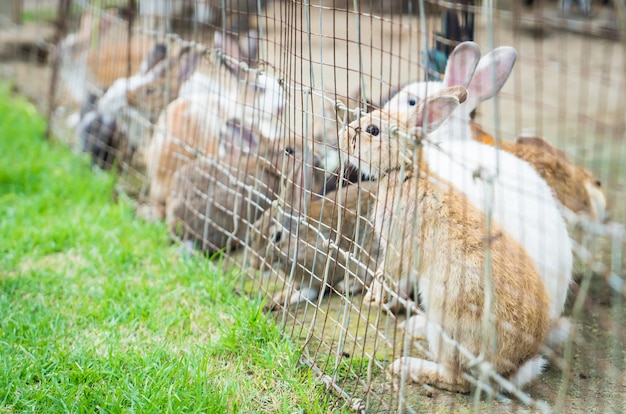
446 259
218 199
574 186
521 202
288 244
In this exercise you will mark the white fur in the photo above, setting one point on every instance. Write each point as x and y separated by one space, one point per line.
560 331
523 203
597 201
266 108
529 371
115 97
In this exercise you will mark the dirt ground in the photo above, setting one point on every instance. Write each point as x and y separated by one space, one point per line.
566 86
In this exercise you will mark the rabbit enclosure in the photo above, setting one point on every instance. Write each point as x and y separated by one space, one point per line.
236 122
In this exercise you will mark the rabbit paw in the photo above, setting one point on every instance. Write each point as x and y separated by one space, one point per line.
376 293
421 371
416 326
292 297
345 288
150 212
418 370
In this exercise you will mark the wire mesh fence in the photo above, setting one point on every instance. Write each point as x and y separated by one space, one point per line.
428 251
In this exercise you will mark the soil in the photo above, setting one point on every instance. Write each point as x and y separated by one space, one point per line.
567 87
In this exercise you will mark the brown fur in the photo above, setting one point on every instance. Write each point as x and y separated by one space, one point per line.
281 240
178 138
568 181
109 61
208 206
446 258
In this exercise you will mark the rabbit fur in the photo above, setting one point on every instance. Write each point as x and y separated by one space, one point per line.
446 257
521 201
146 92
286 243
217 199
576 188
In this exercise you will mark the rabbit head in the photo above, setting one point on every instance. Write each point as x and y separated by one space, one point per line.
375 157
465 68
288 243
159 80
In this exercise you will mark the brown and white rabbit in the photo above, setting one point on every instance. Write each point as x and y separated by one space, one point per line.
574 186
435 238
285 242
520 200
217 199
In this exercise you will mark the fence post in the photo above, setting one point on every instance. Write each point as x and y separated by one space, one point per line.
63 15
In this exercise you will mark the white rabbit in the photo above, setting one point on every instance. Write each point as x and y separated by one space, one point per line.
445 257
523 204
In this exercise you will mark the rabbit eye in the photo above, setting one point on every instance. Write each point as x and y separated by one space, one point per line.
290 150
598 183
373 130
277 236
412 101
149 91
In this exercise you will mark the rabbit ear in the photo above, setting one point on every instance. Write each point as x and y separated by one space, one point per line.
235 138
299 183
249 47
482 85
461 64
156 55
243 48
436 109
186 64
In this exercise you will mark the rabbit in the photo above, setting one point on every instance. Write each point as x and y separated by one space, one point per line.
218 198
446 257
147 92
523 204
286 243
576 188
196 120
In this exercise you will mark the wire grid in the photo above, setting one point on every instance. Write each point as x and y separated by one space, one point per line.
567 86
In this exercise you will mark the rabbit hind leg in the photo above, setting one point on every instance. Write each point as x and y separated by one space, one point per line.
421 371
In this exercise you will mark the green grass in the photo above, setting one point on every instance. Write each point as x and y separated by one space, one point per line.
100 313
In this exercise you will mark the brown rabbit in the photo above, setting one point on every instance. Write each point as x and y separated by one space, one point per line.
217 199
574 186
436 239
284 241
